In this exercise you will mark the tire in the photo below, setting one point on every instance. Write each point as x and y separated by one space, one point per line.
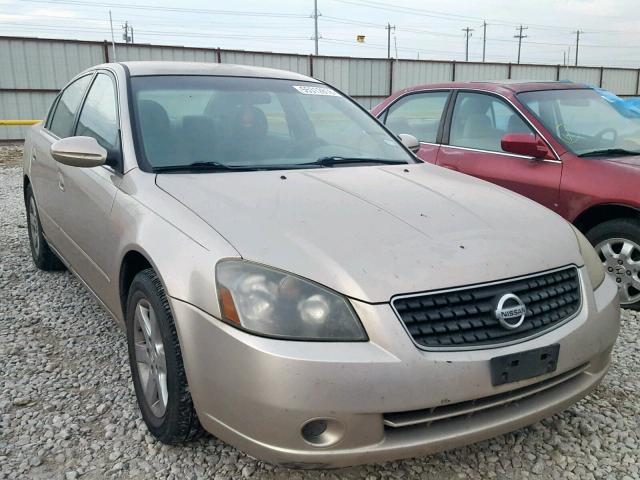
42 255
617 242
168 410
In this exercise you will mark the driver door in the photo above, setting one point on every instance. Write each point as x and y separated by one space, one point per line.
88 193
472 145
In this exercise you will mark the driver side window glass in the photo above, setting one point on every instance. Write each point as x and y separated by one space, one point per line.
99 118
418 114
480 121
64 116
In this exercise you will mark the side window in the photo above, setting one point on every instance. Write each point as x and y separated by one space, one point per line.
63 117
99 118
418 114
52 109
480 121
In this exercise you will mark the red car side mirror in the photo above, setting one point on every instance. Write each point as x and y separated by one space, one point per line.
524 144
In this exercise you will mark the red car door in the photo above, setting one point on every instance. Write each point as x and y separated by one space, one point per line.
472 145
419 114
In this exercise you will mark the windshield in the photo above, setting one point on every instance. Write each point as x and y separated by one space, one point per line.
584 122
253 123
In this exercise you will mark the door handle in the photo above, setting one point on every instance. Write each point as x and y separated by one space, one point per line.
60 181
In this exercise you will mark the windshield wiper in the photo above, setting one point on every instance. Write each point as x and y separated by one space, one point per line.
208 166
335 160
609 151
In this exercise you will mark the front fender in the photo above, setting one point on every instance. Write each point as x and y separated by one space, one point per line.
152 223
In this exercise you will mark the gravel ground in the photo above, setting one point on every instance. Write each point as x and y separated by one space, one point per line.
67 406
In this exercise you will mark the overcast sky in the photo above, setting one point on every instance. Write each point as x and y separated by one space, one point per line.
425 29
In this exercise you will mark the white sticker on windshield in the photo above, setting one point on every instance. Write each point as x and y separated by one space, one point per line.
307 90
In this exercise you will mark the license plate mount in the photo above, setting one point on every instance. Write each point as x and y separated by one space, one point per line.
523 365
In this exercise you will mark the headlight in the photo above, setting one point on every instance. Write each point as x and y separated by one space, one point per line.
592 261
270 302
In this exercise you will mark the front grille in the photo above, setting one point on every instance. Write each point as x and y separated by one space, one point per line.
465 318
436 414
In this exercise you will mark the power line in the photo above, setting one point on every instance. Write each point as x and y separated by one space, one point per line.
451 16
170 9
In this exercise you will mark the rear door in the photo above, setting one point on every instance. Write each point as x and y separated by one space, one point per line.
419 114
89 192
472 138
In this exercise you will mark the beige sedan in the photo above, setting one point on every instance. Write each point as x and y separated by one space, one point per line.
293 280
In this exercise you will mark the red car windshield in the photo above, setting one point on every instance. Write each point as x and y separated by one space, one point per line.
586 123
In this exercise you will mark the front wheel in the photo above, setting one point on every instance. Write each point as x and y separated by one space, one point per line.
617 242
157 370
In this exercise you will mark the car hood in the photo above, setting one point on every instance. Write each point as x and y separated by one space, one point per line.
374 232
627 160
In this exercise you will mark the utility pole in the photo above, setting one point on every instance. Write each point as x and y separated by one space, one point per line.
520 36
467 33
315 21
113 41
388 28
577 32
125 35
484 39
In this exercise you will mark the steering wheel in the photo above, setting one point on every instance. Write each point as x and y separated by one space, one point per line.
304 145
598 136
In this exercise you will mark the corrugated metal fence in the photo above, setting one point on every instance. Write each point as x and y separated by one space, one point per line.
33 70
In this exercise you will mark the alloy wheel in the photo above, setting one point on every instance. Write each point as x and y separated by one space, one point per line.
621 258
150 358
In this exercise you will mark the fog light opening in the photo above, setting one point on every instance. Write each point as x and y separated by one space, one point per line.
322 432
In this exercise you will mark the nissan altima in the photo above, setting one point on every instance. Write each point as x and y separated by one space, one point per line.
293 280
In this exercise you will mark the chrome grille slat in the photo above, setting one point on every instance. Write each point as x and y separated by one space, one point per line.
434 414
465 317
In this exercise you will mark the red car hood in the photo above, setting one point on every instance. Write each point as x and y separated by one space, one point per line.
630 160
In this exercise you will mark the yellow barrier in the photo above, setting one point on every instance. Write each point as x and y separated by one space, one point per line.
19 122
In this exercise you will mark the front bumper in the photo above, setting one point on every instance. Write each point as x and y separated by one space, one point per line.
256 393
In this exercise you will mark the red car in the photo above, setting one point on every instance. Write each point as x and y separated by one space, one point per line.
558 143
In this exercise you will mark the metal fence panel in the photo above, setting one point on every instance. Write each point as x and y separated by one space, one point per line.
408 73
293 63
33 69
369 102
127 53
22 106
37 64
534 72
619 81
359 77
586 75
481 71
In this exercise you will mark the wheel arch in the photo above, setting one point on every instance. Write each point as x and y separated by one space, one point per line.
600 213
133 262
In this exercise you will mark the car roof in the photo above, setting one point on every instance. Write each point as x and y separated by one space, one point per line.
146 68
503 86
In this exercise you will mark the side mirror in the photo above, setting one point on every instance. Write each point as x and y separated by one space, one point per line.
410 142
79 152
524 144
